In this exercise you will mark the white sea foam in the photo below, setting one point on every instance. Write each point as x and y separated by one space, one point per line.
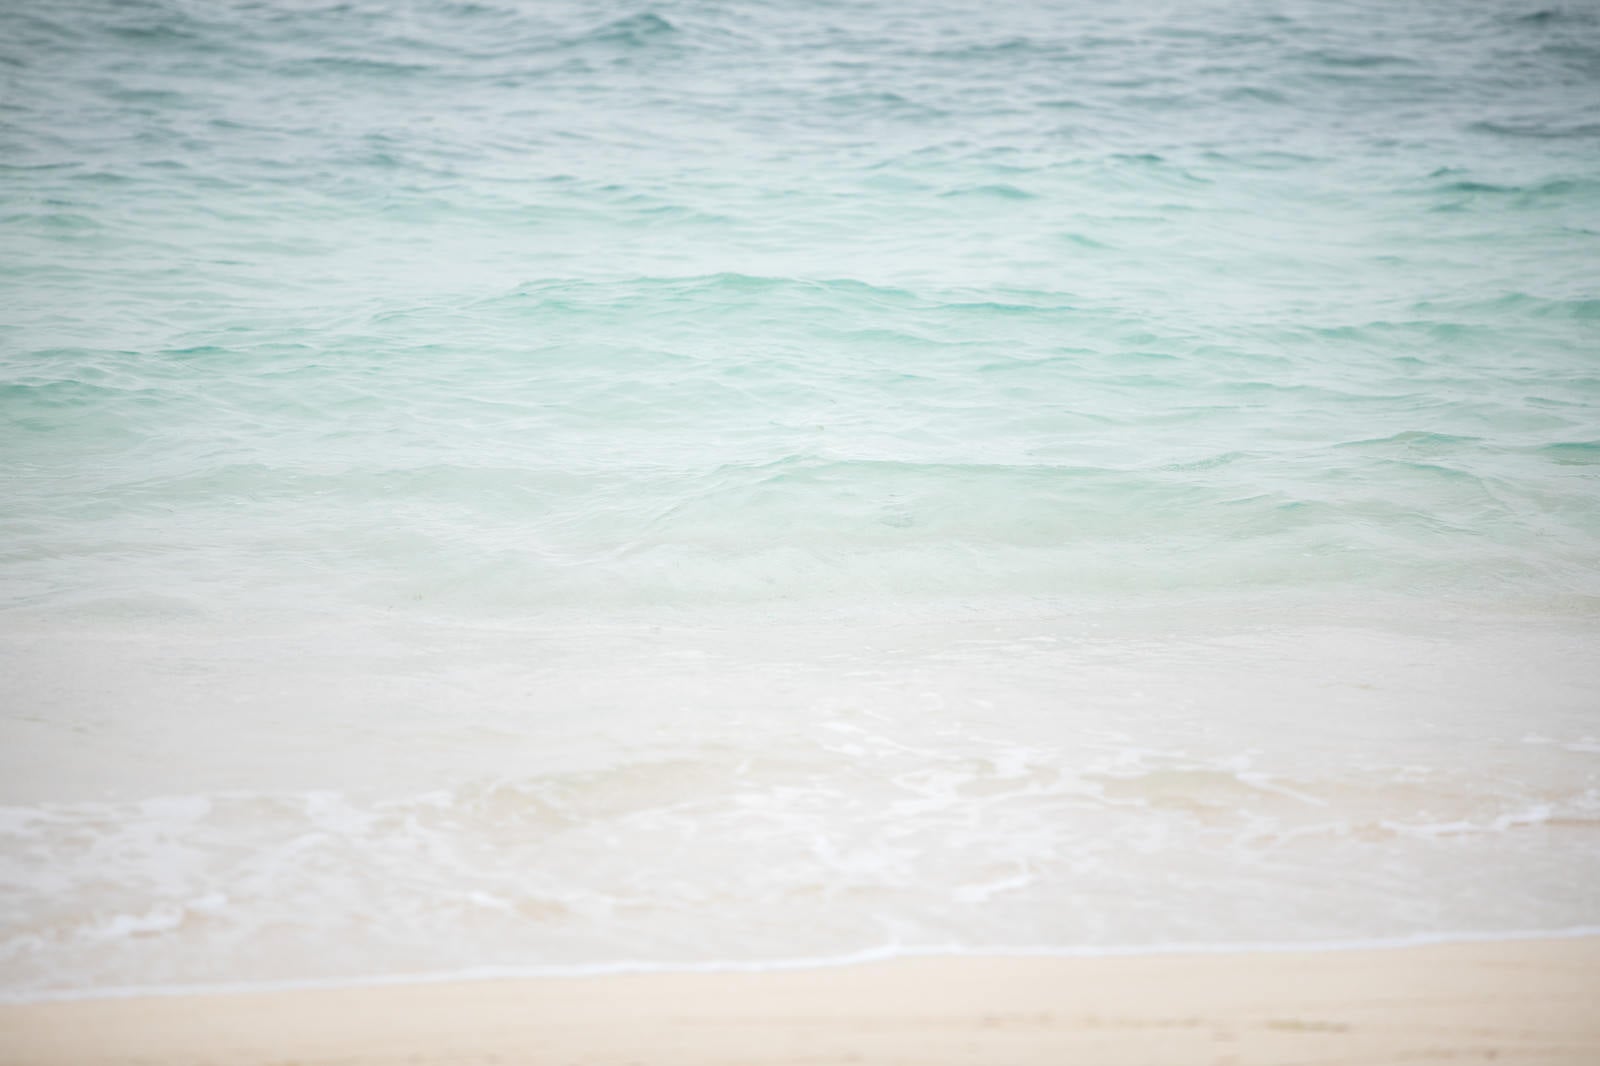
794 789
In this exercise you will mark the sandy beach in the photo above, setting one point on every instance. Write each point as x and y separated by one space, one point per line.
1529 1001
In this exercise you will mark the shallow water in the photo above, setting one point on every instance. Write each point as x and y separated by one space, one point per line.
561 485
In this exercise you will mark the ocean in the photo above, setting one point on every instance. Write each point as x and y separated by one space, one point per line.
540 487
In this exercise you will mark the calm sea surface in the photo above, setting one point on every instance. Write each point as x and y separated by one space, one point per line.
543 485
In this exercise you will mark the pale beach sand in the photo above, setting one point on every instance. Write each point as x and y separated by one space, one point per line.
1530 1001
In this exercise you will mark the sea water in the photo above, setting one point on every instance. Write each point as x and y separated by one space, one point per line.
496 485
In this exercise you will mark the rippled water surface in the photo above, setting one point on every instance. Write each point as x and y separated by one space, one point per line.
547 485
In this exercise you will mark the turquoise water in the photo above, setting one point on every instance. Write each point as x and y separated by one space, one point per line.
548 485
500 308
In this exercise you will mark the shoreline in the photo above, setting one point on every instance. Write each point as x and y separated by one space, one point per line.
865 957
1510 1000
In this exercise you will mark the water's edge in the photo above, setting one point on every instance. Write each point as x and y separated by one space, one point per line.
869 955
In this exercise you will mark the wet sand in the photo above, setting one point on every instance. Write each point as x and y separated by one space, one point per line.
1528 1001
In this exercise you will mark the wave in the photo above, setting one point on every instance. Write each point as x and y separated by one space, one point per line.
852 818
1538 130
634 31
